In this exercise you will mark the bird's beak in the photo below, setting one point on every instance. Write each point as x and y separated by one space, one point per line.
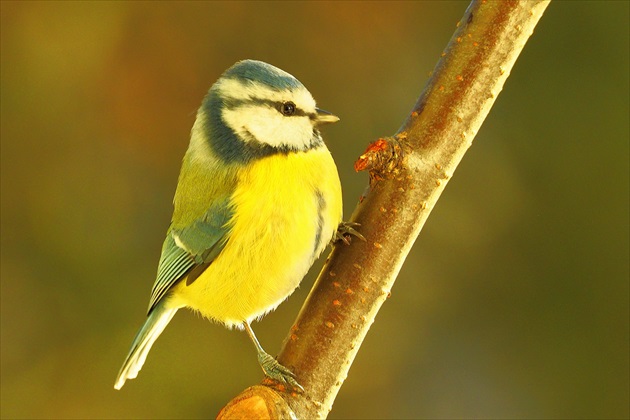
324 117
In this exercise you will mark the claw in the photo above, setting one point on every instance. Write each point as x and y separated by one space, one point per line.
273 370
277 372
347 228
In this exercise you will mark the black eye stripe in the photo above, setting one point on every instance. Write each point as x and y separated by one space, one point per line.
281 106
230 103
296 112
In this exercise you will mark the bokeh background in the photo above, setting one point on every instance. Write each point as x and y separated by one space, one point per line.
512 304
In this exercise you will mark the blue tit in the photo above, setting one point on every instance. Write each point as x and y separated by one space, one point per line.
258 200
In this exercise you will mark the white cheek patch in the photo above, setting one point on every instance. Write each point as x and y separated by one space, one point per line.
251 111
268 126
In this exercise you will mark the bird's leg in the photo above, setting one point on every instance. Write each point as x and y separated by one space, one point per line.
347 228
270 365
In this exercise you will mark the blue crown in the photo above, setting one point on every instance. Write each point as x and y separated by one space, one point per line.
260 72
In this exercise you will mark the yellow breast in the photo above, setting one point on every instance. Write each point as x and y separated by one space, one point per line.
286 210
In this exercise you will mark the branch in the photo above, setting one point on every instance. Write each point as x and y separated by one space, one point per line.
408 172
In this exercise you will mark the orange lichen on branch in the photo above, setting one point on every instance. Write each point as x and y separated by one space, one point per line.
368 159
382 157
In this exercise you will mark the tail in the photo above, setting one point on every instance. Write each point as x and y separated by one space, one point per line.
158 319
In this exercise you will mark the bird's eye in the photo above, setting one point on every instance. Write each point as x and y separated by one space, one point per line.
287 108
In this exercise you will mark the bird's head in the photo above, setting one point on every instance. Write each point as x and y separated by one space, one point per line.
264 108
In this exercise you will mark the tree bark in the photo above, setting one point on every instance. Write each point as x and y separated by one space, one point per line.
408 172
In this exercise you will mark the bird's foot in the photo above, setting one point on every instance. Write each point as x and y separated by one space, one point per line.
345 229
277 372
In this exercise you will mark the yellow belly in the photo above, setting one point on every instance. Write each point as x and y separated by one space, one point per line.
286 210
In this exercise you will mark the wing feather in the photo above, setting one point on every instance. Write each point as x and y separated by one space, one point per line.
200 225
183 251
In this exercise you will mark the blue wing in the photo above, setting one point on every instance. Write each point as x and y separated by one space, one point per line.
189 247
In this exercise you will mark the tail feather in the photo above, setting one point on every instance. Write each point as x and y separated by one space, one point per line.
154 325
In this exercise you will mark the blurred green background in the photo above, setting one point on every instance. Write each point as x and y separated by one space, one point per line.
513 303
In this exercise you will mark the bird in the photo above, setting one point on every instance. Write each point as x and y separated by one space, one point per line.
258 199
